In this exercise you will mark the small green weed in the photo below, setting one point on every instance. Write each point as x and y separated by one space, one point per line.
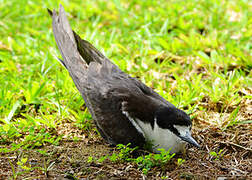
144 162
125 152
180 161
217 156
23 164
232 120
22 168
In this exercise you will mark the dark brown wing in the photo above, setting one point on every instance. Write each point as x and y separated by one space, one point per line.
144 103
116 93
106 105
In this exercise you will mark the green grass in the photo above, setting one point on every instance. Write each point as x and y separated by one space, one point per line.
196 54
143 162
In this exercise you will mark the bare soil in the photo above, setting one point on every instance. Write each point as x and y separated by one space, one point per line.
71 159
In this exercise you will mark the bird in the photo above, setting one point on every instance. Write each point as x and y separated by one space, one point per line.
123 109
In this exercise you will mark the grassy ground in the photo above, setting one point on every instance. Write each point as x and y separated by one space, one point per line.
196 54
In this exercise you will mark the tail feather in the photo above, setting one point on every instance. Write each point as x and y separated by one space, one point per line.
62 22
76 53
67 39
88 52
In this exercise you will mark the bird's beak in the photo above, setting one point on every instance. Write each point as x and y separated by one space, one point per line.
188 138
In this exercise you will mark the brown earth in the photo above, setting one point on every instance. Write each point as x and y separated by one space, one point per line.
71 158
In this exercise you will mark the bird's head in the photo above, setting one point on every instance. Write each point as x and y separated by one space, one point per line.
176 121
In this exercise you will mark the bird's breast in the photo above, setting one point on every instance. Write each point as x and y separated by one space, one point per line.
161 138
156 136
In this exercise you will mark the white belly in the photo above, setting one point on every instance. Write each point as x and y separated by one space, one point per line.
158 137
161 138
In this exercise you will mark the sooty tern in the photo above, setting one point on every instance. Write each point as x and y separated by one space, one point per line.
124 110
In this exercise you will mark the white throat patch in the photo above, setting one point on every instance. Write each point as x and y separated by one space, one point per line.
159 137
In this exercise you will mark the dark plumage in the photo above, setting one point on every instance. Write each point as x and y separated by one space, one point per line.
112 96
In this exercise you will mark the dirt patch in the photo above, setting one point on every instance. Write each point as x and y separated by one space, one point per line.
70 159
